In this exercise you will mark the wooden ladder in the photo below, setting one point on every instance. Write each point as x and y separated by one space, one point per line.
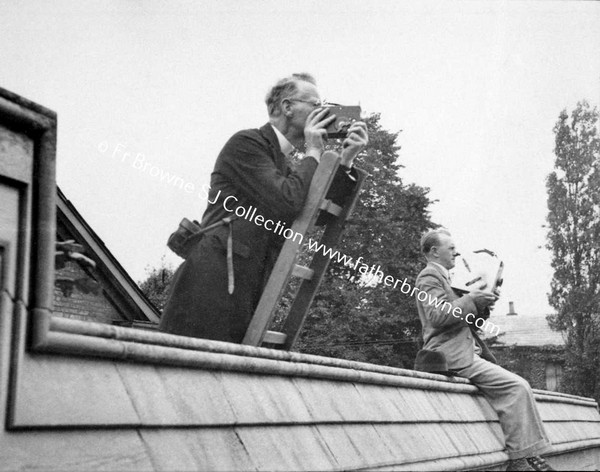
286 267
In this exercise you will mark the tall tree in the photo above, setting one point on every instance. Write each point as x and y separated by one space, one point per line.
574 239
353 316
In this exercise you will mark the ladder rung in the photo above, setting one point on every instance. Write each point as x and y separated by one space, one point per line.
303 272
274 337
330 207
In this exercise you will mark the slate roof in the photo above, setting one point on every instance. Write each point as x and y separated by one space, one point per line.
525 330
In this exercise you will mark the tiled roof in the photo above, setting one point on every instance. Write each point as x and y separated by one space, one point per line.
525 330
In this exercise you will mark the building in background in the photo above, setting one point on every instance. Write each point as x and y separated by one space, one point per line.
102 294
528 347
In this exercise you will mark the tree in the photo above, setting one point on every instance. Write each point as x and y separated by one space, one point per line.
574 239
358 319
156 284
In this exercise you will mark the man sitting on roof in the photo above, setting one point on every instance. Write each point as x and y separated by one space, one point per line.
447 330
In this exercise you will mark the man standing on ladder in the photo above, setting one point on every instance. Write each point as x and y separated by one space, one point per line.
216 289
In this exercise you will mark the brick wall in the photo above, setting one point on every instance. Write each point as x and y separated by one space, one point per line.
82 306
530 362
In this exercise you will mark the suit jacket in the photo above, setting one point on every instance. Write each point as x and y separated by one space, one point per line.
252 169
443 331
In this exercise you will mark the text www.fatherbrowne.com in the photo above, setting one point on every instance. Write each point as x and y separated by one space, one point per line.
138 161
368 272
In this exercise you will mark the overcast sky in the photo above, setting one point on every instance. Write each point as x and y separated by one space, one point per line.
475 88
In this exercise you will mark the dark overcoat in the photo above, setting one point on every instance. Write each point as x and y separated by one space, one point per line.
250 172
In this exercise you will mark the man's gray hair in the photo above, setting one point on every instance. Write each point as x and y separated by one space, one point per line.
285 88
432 238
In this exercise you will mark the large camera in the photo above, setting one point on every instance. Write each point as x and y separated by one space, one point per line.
477 269
344 117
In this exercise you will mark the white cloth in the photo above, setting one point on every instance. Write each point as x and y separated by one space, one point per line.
284 144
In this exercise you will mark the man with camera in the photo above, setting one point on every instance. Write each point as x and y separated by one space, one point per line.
447 330
215 291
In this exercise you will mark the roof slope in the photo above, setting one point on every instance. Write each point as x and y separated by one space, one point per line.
196 404
525 330
121 284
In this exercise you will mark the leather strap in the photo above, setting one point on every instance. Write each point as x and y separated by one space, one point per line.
225 221
230 276
486 353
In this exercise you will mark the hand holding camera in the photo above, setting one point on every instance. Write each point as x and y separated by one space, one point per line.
482 298
315 131
356 141
484 301
337 122
349 127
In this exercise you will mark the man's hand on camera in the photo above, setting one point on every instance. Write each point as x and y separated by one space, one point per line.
314 131
483 299
495 292
357 139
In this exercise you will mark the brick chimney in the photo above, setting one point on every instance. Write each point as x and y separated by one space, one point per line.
511 309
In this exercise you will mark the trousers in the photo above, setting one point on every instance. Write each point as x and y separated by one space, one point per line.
512 399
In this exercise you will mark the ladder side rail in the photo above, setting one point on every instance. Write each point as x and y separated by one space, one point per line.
308 288
280 275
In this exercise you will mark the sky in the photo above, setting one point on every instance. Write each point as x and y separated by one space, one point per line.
149 87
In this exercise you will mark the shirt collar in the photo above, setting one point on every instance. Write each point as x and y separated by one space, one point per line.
284 144
445 272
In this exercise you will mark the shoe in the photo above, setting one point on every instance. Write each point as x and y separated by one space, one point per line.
519 464
537 463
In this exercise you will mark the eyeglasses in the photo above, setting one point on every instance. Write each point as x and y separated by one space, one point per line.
315 102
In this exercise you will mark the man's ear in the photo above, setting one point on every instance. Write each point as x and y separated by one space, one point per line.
286 108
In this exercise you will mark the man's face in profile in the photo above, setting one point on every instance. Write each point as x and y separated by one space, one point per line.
304 101
446 251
